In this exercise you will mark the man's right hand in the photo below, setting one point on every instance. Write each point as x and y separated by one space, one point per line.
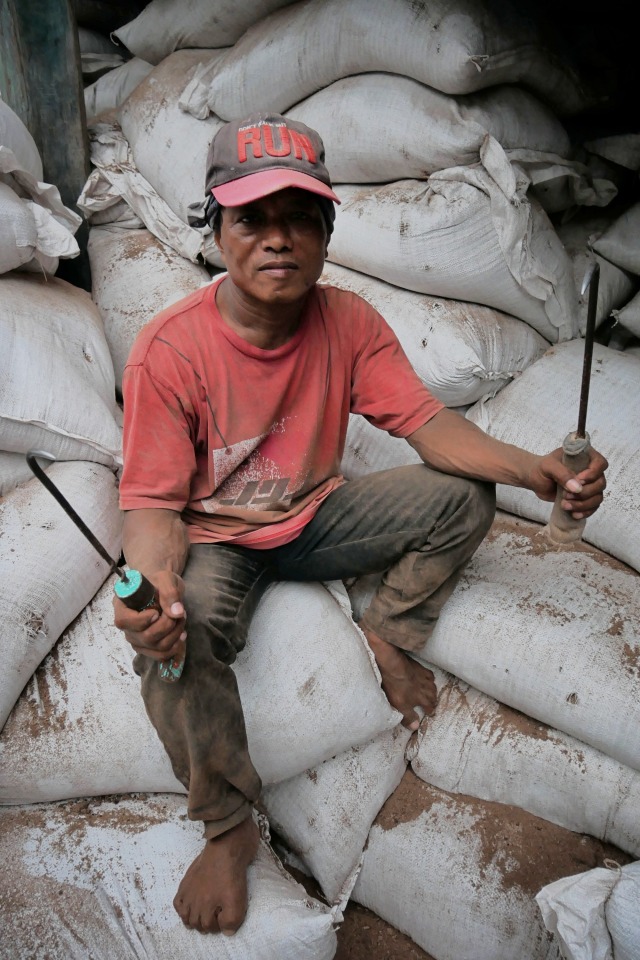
159 636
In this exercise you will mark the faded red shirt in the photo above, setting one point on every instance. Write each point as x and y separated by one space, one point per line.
246 443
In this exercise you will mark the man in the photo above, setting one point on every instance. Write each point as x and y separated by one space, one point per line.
236 405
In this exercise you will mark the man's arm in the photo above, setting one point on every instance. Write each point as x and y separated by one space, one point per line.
450 443
155 542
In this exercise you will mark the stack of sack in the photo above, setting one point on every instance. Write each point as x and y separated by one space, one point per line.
469 222
37 229
109 71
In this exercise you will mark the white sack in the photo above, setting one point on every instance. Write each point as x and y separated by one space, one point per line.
459 876
551 631
537 411
112 89
157 31
307 682
623 915
460 351
116 178
474 745
595 915
46 195
368 450
325 814
169 146
615 286
424 130
19 235
623 149
620 244
97 879
453 48
629 315
102 203
49 570
134 277
15 136
560 184
14 470
31 237
468 233
58 385
92 41
37 228
96 65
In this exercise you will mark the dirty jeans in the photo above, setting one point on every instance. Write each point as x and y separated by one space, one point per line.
419 526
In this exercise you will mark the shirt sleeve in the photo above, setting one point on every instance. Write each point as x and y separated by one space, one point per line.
158 449
385 388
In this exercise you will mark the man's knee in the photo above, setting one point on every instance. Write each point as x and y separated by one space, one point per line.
482 504
473 503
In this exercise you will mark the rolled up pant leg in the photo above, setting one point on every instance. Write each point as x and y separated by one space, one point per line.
199 718
418 526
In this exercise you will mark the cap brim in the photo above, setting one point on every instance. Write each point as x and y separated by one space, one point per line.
258 185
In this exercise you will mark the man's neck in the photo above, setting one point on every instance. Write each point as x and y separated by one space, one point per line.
267 326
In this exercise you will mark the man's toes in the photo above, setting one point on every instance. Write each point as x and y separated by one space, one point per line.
181 910
231 916
411 720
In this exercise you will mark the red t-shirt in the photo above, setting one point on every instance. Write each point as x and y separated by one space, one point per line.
246 443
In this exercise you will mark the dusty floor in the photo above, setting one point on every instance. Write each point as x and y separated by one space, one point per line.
364 936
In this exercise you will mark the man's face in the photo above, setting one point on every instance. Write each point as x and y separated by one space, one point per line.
274 248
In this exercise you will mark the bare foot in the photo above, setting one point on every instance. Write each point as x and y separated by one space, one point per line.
406 683
212 896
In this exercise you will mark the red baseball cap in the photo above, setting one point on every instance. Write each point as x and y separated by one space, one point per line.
249 159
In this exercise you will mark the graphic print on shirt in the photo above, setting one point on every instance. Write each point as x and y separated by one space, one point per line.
245 478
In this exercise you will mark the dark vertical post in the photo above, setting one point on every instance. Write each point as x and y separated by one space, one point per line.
41 80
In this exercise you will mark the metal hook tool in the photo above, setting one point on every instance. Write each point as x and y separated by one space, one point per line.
576 447
133 588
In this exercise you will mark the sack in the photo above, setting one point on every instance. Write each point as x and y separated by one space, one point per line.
57 374
460 351
615 286
424 130
476 746
325 813
623 150
156 32
40 229
368 450
112 89
459 875
49 571
620 244
92 41
116 178
97 879
468 233
169 146
526 413
19 240
303 659
629 315
15 136
134 277
550 631
14 469
594 915
289 55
